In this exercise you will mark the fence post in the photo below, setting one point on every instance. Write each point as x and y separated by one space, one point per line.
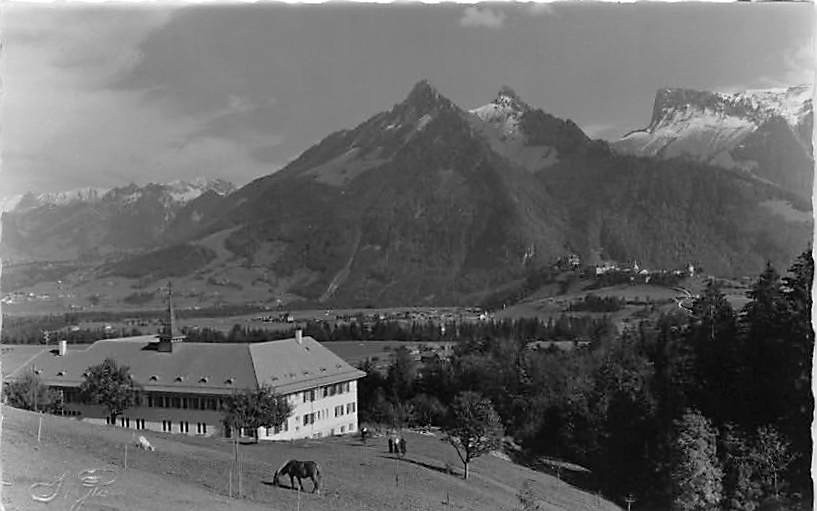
39 428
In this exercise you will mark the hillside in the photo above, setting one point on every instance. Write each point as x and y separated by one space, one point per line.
189 473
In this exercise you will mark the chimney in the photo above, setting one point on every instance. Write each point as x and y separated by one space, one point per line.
299 336
63 348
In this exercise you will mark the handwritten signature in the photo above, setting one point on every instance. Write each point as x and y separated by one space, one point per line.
95 479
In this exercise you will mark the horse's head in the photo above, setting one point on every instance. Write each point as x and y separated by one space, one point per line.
276 478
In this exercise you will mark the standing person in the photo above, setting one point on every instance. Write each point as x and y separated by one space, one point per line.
402 446
391 445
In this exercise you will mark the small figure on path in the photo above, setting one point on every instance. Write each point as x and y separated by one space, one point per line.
402 443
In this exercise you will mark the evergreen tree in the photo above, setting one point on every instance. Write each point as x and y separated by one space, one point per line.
763 320
696 475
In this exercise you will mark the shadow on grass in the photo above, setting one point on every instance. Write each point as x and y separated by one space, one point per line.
423 464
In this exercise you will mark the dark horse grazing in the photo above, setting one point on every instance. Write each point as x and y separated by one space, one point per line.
301 470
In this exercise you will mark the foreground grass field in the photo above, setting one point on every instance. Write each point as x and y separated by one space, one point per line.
186 473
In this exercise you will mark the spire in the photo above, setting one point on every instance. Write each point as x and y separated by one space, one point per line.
170 331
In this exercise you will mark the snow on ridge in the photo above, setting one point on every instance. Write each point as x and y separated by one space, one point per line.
756 105
10 203
503 113
179 191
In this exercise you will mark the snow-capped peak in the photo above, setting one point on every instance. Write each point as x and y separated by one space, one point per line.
178 191
504 112
31 200
731 129
755 105
187 190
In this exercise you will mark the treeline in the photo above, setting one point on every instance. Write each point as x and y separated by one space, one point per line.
565 328
594 303
703 411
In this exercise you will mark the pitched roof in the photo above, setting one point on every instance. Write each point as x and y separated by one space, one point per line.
289 366
194 367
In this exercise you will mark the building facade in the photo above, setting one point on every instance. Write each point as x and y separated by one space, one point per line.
183 386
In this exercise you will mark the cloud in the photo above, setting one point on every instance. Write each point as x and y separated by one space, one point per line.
540 9
482 17
57 68
799 64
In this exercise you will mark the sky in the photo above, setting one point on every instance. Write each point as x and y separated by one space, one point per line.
112 94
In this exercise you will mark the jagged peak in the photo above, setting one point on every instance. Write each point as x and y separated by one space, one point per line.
423 93
508 92
508 97
422 100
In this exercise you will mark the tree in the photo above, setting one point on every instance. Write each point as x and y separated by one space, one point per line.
773 456
256 408
29 393
474 427
111 386
741 488
696 475
401 375
428 410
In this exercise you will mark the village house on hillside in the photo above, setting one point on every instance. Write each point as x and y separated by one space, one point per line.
182 385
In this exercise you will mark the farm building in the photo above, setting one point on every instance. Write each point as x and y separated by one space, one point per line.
182 385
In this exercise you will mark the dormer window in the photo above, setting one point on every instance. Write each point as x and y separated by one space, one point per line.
323 369
229 381
179 379
85 374
203 379
306 372
274 378
61 373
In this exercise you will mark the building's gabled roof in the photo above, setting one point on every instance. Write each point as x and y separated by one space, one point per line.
289 366
193 367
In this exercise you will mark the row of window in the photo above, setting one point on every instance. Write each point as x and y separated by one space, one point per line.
162 401
326 391
350 408
343 429
310 418
278 429
184 403
167 426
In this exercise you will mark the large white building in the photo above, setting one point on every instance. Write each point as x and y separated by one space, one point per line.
182 385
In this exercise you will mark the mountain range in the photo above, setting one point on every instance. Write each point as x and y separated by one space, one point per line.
767 133
87 223
430 203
